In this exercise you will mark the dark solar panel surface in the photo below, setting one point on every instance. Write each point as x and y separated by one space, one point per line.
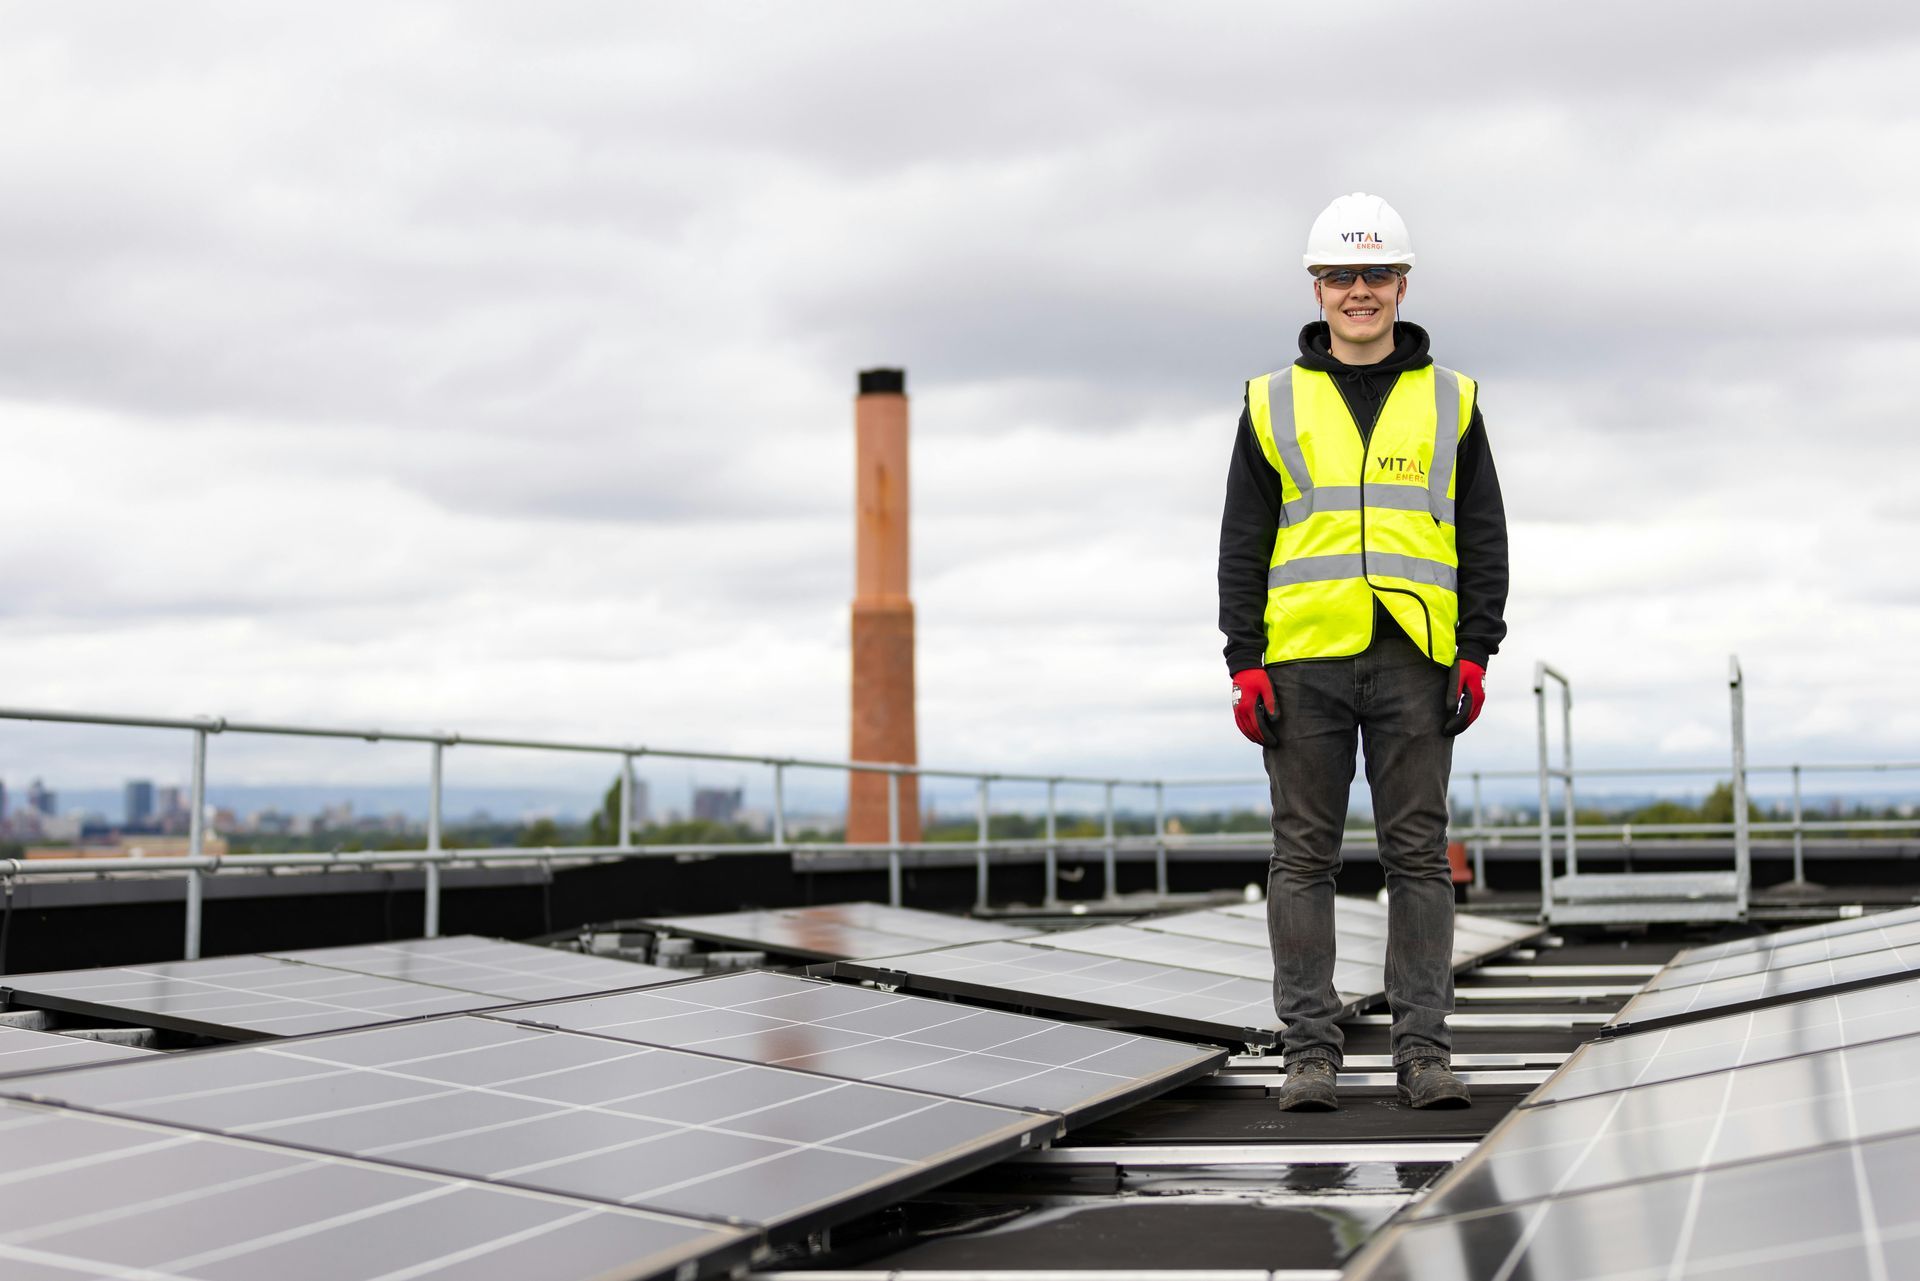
838 931
509 971
1207 972
25 1050
1679 973
1787 938
891 1038
93 1196
237 997
1841 1211
1754 1036
567 1113
1225 1007
1690 1124
1700 1000
1195 951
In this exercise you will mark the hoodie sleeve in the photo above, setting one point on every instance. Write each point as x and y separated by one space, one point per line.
1480 538
1247 528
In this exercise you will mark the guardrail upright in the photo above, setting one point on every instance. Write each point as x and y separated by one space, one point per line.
1052 857
895 888
1742 837
196 842
1479 841
779 803
431 925
1160 837
980 872
1541 672
1112 855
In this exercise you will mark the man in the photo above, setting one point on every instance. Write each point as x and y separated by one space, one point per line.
1363 574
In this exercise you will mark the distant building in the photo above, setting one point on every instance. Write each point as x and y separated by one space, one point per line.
3 802
39 799
139 802
640 809
716 804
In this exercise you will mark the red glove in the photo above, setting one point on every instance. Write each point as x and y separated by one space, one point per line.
1251 688
1466 695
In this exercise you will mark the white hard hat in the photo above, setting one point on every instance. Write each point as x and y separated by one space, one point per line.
1358 229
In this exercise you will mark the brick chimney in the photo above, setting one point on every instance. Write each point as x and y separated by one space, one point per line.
883 719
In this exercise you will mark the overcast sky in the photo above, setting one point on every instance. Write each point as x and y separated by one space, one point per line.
490 366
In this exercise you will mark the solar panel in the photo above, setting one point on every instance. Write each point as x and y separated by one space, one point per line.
1681 973
1785 938
1353 981
235 997
892 1039
1757 1036
1843 1211
837 931
1359 941
568 1113
26 1050
509 971
1221 1007
1688 1125
1658 1008
97 1196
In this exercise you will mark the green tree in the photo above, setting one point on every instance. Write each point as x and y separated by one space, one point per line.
542 831
1718 807
604 827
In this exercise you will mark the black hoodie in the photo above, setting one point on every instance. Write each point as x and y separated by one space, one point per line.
1252 514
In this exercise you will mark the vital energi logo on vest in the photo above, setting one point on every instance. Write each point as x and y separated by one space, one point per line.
1404 469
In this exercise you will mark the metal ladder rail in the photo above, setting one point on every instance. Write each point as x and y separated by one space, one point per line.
1541 672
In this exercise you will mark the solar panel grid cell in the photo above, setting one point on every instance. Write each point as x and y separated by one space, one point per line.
1785 938
1652 1008
509 971
1687 1125
1846 1211
1804 952
1214 1005
238 996
26 1050
890 1038
97 1196
1754 1036
565 1113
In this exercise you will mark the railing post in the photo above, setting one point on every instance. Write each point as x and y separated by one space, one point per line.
1546 796
1742 847
196 844
1112 854
1053 847
779 803
432 923
980 872
1479 837
895 889
626 801
1160 838
1799 843
1566 761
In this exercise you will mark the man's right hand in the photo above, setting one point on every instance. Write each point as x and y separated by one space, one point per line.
1252 694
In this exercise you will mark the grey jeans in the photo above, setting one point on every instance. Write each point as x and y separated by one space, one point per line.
1389 698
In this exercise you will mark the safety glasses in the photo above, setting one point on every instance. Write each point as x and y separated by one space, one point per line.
1343 277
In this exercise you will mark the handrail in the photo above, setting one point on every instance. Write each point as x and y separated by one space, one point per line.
196 865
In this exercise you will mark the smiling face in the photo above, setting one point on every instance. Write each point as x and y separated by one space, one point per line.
1360 315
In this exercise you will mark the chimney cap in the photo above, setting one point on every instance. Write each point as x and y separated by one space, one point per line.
883 382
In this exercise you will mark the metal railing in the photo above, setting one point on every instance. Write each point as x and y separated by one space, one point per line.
196 865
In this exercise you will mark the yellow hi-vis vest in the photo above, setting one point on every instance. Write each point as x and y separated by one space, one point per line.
1357 524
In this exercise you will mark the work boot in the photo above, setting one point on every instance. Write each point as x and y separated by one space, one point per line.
1309 1086
1427 1082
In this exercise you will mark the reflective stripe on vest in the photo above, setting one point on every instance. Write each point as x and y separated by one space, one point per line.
1359 524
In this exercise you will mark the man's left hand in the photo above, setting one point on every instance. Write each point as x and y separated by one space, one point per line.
1466 695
